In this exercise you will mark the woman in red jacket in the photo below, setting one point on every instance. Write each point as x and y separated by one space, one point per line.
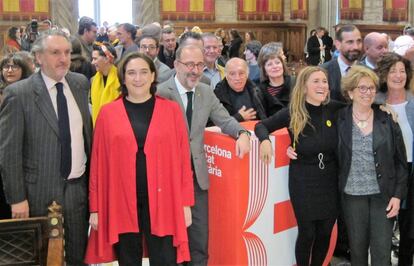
141 183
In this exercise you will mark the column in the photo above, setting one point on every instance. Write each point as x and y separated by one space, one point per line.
145 12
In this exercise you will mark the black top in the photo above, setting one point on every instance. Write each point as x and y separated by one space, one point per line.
313 183
139 115
240 99
280 97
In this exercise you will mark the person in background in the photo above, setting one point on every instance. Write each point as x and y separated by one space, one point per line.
395 74
242 99
126 33
112 36
168 47
212 70
105 84
13 68
316 48
87 31
149 45
220 32
313 183
78 63
13 38
235 43
249 36
251 53
328 43
348 41
28 58
372 169
276 83
141 168
375 46
305 48
102 35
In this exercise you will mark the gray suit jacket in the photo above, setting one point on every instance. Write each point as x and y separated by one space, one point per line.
163 71
206 105
29 142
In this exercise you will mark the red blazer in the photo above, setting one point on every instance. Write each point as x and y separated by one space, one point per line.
112 184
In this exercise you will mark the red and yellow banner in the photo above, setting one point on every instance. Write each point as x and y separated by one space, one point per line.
351 9
395 10
187 9
299 9
260 10
24 9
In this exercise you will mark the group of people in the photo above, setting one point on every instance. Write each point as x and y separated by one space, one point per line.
120 143
351 127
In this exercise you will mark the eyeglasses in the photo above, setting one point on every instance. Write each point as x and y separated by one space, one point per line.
12 67
149 47
364 89
191 65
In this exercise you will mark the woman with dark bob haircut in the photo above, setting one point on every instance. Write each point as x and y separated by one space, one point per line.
141 182
395 74
13 68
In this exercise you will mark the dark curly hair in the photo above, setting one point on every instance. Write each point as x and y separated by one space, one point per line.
122 69
384 66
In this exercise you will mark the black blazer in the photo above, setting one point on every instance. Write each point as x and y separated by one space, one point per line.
388 148
222 92
314 51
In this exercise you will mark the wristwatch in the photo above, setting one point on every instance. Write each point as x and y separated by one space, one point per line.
244 131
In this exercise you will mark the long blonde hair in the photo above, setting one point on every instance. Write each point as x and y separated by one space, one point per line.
299 115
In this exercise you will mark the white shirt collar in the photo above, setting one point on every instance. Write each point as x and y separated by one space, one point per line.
180 88
50 83
342 66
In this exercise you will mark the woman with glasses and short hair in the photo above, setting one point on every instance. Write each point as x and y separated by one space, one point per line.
372 168
395 74
13 68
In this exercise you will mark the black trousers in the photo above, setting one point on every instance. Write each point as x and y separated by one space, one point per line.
313 241
5 211
406 248
129 249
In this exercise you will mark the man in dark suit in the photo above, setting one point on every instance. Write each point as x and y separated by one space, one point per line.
45 129
316 48
199 104
375 46
349 43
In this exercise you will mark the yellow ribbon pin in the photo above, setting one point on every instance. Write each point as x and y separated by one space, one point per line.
328 123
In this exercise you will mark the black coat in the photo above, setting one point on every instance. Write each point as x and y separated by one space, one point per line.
162 58
222 92
274 104
234 48
314 51
388 148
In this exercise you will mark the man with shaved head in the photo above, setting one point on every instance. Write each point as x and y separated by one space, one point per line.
242 99
375 45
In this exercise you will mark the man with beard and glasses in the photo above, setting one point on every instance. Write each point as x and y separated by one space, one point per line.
199 104
349 44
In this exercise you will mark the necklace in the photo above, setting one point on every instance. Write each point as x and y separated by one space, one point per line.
362 123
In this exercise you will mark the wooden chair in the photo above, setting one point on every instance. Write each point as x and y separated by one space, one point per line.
33 241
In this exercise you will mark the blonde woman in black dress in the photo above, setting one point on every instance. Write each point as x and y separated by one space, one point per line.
313 184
